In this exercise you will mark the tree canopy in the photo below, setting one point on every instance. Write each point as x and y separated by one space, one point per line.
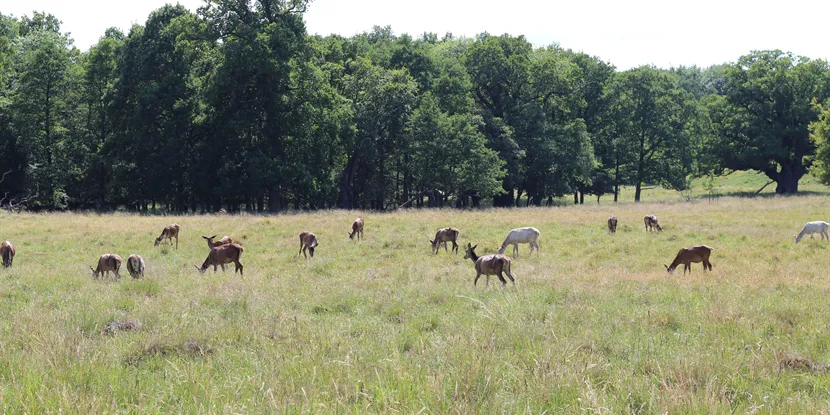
237 107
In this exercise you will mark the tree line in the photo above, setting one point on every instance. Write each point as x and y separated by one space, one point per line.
237 107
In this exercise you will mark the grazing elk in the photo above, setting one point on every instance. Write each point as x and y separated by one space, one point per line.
221 255
169 232
612 224
135 266
492 264
224 241
107 263
308 241
686 256
813 227
442 237
651 223
7 253
357 229
521 236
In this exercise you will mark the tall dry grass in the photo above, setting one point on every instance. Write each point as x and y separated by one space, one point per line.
382 325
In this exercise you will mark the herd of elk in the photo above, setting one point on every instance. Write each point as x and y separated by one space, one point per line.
442 237
524 236
135 266
686 256
224 241
221 255
169 232
107 263
492 264
651 223
7 253
357 229
810 228
612 224
308 241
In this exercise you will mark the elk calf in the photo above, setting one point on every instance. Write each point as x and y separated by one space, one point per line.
493 264
135 266
442 237
651 223
523 236
357 229
107 263
308 241
221 255
7 253
224 241
612 224
686 256
169 232
810 228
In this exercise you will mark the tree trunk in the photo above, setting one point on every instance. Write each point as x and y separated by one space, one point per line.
787 179
274 204
581 198
347 185
519 197
576 197
505 199
637 188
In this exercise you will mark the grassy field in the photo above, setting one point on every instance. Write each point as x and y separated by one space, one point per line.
594 324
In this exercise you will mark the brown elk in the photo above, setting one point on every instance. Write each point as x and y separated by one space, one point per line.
135 266
7 253
224 241
492 264
686 256
107 263
442 237
221 255
308 241
169 232
612 224
651 223
357 229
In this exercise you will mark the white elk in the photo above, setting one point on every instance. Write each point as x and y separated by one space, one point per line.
521 236
810 228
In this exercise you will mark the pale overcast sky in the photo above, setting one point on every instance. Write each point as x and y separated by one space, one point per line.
627 33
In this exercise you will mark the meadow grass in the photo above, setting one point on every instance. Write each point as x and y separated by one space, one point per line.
594 323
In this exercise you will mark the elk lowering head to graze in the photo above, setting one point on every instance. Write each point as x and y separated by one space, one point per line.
686 256
224 241
7 253
221 255
308 241
492 264
169 232
442 237
651 223
810 228
612 224
107 263
357 229
521 236
135 266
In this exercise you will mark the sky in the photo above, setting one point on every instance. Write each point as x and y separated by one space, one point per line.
663 33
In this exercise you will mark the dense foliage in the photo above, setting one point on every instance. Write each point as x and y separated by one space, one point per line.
237 107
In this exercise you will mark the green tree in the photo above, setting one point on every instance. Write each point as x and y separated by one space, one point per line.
653 119
761 122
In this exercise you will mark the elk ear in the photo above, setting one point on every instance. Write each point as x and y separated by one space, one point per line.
468 245
667 267
205 237
212 236
474 246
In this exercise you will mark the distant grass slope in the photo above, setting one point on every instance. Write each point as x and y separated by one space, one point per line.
594 325
739 183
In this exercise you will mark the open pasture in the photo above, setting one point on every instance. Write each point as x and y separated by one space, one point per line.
595 323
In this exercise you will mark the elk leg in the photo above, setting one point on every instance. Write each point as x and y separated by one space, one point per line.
516 250
503 281
301 249
475 281
223 267
455 247
304 249
177 243
238 267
